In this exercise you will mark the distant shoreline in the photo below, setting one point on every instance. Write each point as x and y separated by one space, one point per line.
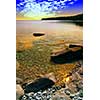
77 19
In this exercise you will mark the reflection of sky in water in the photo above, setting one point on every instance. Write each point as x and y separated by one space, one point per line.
29 27
57 33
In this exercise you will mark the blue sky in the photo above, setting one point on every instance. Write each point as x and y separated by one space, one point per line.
37 9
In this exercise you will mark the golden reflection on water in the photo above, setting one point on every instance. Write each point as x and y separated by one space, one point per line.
25 41
25 30
59 33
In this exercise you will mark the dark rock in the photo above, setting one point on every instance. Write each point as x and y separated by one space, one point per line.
40 84
75 45
63 85
72 96
67 55
50 76
38 34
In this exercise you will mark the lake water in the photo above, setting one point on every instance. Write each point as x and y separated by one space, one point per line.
36 60
55 31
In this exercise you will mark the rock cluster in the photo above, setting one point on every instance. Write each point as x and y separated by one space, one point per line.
54 93
69 90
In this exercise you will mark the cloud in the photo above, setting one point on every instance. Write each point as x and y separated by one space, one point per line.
43 8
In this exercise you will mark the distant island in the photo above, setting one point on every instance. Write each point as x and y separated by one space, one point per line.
77 19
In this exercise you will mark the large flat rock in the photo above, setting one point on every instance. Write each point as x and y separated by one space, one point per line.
73 53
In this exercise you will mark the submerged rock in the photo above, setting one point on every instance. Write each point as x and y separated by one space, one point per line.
75 45
73 53
38 34
17 65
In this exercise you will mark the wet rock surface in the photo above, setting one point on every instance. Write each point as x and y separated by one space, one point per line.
19 91
38 34
40 84
71 89
68 55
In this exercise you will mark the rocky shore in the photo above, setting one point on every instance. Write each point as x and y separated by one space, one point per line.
70 89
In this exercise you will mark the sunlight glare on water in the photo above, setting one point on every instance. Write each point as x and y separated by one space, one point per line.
53 30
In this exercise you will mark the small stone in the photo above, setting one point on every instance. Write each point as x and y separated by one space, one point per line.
72 96
51 76
59 98
81 93
72 88
58 87
25 97
67 91
19 90
76 76
63 85
79 98
80 71
18 80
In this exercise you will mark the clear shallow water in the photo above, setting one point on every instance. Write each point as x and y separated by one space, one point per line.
55 31
38 57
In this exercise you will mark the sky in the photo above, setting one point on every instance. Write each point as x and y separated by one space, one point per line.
38 9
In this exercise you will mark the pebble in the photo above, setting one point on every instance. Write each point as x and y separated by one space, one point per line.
53 92
67 92
19 89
